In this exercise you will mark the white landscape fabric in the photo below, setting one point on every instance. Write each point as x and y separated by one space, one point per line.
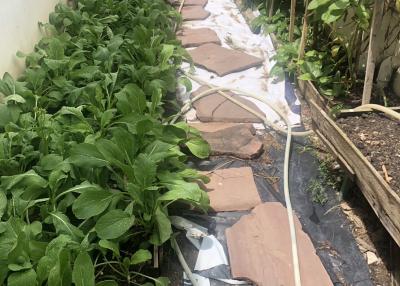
227 21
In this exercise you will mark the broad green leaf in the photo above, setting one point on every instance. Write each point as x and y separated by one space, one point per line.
199 147
86 155
83 270
22 278
61 273
166 53
88 73
63 226
305 76
106 117
314 4
113 224
181 190
3 203
126 141
15 98
113 246
140 256
131 99
32 184
50 162
8 237
110 151
144 171
162 228
91 203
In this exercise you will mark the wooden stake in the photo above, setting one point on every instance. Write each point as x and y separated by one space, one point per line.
292 19
304 32
371 61
271 7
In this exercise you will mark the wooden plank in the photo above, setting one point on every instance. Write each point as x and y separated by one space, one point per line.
309 92
395 263
383 200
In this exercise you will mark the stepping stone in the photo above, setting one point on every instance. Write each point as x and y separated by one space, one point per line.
193 13
217 108
197 37
201 3
232 189
231 139
223 61
260 249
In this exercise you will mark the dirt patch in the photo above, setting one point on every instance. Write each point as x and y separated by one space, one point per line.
371 237
378 138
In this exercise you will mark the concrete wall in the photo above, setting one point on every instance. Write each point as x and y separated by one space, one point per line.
19 30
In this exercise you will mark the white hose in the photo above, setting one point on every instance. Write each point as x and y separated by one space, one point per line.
288 131
381 108
220 90
183 263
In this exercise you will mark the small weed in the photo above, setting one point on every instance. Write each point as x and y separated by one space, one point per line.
318 192
305 149
326 178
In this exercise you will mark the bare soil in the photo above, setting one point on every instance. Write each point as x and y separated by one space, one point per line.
378 138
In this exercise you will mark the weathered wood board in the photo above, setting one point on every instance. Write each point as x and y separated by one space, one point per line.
383 200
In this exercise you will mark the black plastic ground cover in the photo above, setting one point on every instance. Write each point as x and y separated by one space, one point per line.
326 224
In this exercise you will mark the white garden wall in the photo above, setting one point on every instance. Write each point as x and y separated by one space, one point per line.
19 30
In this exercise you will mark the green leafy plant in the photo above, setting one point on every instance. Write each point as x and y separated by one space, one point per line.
89 164
331 59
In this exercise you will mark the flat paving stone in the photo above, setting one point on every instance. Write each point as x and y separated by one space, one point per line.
201 3
231 139
197 37
232 189
259 248
223 61
194 13
217 108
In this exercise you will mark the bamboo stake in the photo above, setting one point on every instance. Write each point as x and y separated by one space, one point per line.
271 7
371 61
304 32
292 19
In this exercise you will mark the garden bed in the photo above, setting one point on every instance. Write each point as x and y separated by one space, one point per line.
382 198
378 138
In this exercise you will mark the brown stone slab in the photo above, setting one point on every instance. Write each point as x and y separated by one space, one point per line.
201 3
197 37
222 61
231 139
217 108
260 249
232 189
193 13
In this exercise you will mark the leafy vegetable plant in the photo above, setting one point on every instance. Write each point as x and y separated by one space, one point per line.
89 165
